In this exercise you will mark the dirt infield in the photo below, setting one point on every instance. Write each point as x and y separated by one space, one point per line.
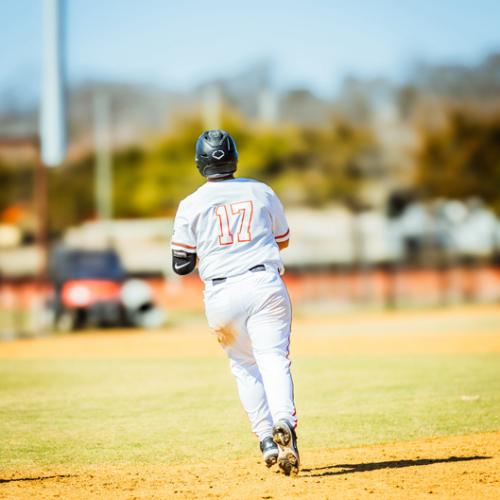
453 467
464 466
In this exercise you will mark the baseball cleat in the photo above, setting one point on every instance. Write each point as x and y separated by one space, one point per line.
269 451
288 458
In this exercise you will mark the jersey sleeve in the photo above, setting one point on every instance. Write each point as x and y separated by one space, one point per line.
183 236
281 231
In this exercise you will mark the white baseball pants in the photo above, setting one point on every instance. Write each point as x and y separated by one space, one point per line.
251 316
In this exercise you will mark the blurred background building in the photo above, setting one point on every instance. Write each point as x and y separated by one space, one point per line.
378 125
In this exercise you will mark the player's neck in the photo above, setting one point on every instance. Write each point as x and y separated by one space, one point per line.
220 179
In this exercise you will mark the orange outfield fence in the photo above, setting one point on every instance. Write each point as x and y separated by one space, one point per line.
387 287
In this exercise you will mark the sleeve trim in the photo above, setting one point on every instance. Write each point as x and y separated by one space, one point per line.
183 245
284 235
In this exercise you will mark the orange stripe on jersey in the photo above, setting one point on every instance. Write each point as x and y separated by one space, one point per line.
189 247
282 235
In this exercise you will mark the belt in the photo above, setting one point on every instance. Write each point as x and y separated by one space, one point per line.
254 269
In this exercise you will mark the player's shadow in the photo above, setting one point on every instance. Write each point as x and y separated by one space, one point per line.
393 464
39 478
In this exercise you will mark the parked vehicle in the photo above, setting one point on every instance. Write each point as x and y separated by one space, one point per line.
87 288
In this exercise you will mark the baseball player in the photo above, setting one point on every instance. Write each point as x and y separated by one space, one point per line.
234 228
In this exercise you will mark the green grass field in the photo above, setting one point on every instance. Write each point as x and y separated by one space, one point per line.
174 410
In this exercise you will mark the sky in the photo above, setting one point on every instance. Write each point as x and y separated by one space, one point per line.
313 44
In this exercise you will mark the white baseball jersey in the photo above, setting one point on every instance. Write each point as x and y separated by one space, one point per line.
232 225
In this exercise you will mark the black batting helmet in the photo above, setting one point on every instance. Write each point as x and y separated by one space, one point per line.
216 154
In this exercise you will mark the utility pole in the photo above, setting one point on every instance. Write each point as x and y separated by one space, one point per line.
211 107
103 165
51 144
